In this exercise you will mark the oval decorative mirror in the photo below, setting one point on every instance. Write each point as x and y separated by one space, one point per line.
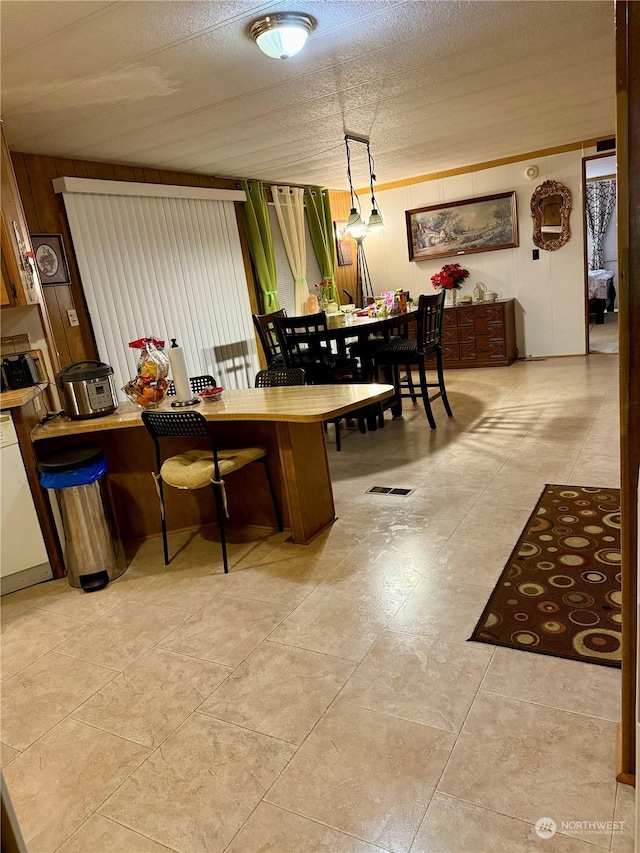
550 209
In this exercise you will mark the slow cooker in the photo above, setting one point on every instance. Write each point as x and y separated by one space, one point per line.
87 389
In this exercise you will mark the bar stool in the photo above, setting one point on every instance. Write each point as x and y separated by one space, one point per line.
198 384
278 378
197 469
427 345
304 345
268 337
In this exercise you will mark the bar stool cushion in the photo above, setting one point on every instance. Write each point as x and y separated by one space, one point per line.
194 468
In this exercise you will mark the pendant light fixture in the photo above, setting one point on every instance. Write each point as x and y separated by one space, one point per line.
375 220
355 224
282 34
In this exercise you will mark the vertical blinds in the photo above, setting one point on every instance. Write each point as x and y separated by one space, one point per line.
169 267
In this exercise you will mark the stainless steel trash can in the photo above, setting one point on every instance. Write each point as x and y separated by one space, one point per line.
93 550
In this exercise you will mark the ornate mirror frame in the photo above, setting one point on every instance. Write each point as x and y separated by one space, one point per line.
542 192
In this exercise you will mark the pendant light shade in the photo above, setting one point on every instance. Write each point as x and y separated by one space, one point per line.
355 226
282 34
375 222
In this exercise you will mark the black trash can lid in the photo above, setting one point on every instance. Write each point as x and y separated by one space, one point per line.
70 458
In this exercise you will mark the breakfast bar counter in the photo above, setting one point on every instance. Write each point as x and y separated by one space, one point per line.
287 421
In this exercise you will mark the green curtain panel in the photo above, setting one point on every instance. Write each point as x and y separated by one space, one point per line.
256 219
321 230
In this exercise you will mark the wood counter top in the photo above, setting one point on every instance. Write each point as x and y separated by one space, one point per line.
298 404
13 399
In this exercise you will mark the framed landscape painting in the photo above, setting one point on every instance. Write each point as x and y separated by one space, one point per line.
462 227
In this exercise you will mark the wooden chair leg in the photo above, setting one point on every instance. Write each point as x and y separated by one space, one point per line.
443 390
425 394
412 390
217 493
336 424
396 408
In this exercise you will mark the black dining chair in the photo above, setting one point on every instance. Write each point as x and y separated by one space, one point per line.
288 377
197 469
268 337
426 346
198 384
285 376
304 345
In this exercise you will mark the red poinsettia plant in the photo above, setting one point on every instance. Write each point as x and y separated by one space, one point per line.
450 276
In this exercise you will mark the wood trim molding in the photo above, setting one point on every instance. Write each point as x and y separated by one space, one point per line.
99 187
627 20
489 164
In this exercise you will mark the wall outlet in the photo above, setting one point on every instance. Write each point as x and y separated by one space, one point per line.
72 314
36 404
535 255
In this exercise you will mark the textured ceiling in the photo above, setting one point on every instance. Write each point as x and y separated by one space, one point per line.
179 85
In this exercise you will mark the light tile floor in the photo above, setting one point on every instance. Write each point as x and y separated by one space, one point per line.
325 697
604 338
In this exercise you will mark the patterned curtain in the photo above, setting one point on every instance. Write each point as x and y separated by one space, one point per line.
601 202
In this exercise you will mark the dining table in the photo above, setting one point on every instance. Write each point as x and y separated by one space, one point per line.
347 329
344 329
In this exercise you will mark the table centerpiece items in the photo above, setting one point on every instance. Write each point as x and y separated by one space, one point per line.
324 292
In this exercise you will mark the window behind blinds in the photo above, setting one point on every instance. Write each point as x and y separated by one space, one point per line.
169 267
286 289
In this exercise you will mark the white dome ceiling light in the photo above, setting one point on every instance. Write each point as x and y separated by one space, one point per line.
282 34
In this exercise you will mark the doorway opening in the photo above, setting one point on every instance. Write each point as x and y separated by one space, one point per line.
601 267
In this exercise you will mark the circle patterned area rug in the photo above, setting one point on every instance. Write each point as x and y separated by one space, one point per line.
559 593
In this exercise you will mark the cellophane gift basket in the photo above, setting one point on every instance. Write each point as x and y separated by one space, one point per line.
149 387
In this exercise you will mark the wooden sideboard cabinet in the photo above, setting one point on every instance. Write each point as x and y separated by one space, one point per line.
479 335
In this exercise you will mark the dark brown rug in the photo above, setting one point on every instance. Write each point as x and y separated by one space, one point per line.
559 593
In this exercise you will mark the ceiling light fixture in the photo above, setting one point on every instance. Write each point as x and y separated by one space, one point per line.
355 224
359 229
282 34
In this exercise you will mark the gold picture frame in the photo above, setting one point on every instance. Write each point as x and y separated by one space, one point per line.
481 224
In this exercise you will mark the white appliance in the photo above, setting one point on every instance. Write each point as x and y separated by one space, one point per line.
23 556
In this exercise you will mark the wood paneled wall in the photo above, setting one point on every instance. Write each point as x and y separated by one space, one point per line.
45 214
345 276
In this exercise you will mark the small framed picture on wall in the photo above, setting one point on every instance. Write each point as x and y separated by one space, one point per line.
344 244
50 258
